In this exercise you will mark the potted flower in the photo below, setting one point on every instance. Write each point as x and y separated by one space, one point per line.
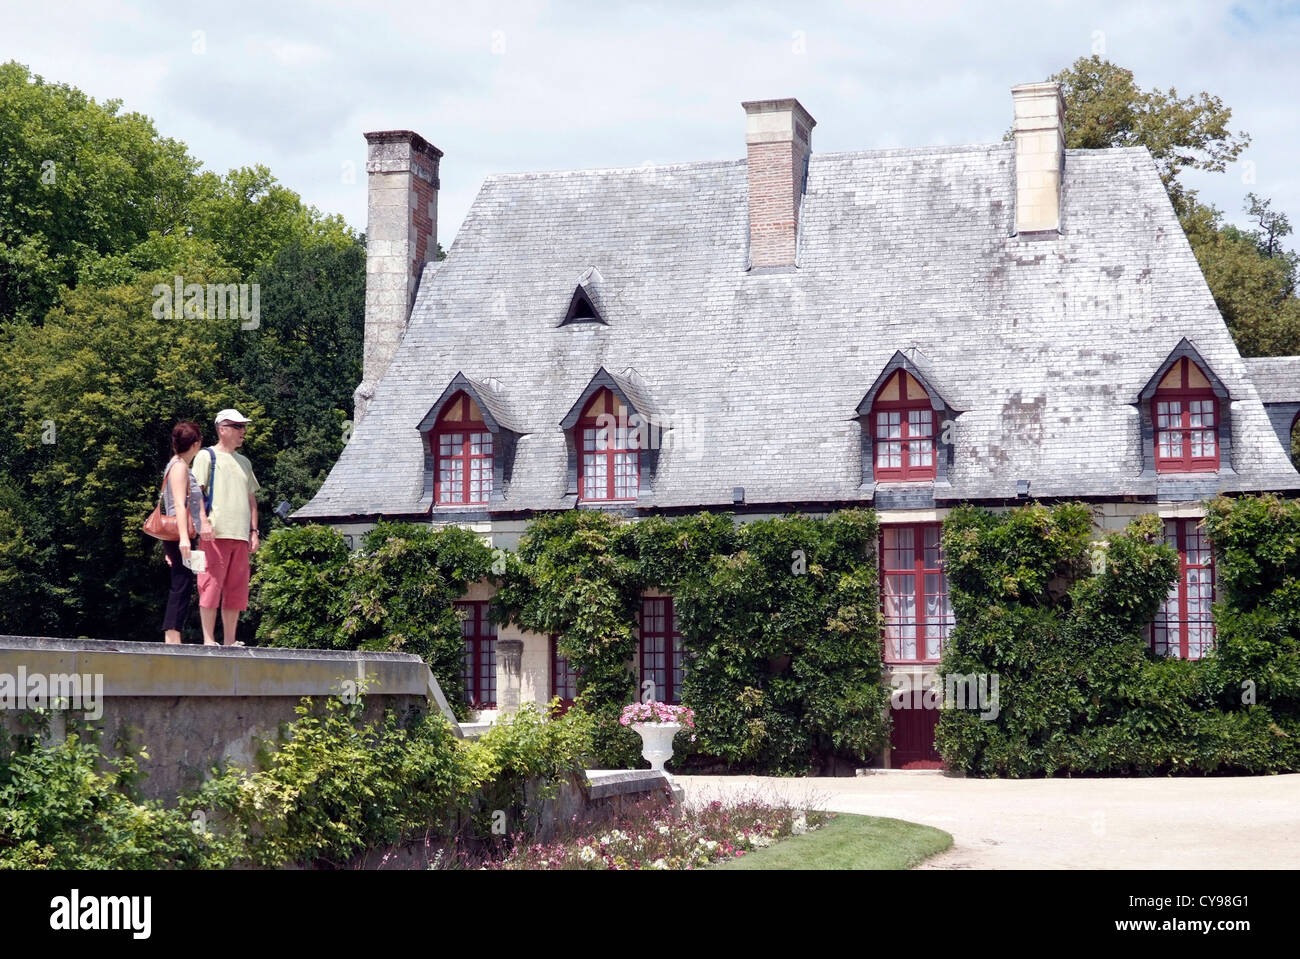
657 723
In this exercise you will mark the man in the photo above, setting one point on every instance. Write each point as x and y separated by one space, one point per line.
224 584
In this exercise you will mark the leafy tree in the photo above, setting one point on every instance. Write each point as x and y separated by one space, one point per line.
83 240
304 359
1105 108
92 395
78 180
1253 287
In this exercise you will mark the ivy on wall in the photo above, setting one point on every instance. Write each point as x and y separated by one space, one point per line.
781 628
1065 632
395 593
779 620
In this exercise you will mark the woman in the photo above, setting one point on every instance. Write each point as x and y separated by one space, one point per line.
182 499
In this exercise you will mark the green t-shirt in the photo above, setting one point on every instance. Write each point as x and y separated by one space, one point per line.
230 515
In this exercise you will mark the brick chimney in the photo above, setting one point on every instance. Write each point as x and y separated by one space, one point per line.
401 236
1039 132
778 140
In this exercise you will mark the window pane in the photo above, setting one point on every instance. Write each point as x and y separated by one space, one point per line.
931 546
900 616
594 477
625 475
900 548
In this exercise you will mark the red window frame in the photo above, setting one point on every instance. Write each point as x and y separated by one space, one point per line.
911 437
564 678
1176 424
462 459
479 658
604 461
657 627
914 593
1184 624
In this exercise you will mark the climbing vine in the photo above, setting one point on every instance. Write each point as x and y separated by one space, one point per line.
779 621
1063 625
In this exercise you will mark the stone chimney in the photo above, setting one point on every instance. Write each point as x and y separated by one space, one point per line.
1039 132
778 140
401 236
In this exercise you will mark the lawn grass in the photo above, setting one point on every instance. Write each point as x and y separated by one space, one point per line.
850 842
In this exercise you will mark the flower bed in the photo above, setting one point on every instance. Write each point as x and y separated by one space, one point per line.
650 835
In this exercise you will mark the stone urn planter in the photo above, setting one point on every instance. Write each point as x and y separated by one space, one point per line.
657 723
657 742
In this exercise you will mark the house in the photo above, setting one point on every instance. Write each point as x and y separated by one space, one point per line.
904 329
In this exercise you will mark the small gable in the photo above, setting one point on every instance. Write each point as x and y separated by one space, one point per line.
585 306
1183 369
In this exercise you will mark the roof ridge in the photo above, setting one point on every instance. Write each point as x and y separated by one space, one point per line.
595 171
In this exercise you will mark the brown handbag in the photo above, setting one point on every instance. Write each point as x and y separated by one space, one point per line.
161 526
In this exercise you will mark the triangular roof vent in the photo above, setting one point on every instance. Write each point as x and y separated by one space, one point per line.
585 305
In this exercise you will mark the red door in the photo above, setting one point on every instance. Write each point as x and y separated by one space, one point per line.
912 740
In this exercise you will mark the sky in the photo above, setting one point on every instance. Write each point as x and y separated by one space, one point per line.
524 86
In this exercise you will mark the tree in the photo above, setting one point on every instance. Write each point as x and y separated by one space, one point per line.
1105 108
304 360
92 395
78 180
94 379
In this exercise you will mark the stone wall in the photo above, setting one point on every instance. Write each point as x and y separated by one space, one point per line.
195 707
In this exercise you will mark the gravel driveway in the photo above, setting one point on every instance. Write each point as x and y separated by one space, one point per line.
1222 823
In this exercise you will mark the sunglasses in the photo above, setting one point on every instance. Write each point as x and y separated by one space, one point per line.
236 426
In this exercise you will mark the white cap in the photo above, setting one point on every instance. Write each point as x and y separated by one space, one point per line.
231 416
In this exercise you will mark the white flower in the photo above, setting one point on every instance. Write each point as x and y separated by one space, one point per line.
663 830
658 864
588 854
800 825
761 842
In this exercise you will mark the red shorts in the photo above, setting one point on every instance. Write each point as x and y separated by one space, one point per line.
225 582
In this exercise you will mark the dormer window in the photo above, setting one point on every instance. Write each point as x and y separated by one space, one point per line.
1186 416
610 456
903 430
462 447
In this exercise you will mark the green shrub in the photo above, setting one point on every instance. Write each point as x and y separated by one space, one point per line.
60 810
295 586
335 788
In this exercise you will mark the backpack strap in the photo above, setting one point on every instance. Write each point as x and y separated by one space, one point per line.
212 481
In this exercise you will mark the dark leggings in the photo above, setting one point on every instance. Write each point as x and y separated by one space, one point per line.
178 600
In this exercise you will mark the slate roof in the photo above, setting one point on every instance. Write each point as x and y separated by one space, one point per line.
1277 378
1043 345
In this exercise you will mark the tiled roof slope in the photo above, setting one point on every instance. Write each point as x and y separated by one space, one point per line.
1044 345
1277 378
